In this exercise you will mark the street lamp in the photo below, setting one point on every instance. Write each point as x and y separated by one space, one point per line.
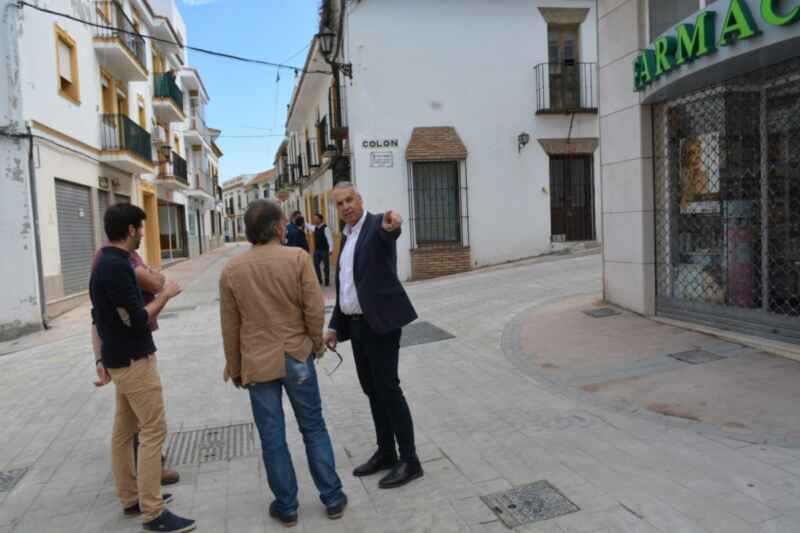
327 41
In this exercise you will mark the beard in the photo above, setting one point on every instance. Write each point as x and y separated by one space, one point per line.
137 241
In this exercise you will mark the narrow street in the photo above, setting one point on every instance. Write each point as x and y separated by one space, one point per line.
483 426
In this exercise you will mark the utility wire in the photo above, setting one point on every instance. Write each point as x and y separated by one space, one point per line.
224 55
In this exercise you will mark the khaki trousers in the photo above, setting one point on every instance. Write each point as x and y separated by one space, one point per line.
140 408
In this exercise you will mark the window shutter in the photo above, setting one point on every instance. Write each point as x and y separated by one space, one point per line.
65 60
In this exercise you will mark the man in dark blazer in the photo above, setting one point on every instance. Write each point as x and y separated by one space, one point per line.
371 310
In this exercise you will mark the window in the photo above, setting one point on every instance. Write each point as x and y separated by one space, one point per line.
565 83
664 15
436 209
67 66
122 102
107 93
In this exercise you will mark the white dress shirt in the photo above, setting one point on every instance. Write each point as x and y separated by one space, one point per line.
348 296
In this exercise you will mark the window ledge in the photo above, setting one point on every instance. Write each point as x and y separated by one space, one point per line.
69 97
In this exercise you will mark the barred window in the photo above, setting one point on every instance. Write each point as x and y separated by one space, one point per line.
436 204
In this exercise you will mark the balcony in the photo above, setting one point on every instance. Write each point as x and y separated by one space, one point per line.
172 173
123 54
125 145
167 98
566 88
196 129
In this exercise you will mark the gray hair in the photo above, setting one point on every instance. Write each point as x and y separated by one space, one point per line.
262 220
346 185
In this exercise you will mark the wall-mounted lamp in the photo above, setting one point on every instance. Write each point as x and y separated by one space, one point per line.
522 140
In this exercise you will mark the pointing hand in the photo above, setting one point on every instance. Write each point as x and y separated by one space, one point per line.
392 221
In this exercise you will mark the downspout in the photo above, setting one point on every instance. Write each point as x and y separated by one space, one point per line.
599 154
36 234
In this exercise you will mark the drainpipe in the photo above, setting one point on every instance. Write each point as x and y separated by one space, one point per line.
36 234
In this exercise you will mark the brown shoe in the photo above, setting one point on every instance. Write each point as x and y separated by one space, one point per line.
169 477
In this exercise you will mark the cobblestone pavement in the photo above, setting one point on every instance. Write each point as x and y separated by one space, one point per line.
482 425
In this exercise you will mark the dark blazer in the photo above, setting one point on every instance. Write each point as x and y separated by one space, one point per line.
383 300
296 237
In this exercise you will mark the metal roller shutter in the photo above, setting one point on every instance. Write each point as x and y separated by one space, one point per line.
75 235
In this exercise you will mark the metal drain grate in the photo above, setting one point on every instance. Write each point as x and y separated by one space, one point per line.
10 478
529 503
601 312
696 357
423 333
211 444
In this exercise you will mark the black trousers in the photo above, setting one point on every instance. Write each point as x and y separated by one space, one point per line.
324 257
376 358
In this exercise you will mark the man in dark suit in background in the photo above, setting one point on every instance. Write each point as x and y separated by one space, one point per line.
371 309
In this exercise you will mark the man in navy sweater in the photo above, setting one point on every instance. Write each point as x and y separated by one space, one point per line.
371 310
128 354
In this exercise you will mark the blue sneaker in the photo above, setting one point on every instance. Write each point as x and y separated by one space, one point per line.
169 523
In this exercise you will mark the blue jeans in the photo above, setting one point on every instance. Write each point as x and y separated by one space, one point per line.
267 402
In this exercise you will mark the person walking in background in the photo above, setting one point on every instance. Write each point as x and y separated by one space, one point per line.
272 313
296 233
371 309
128 354
323 248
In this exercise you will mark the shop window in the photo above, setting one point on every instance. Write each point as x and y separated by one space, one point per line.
67 66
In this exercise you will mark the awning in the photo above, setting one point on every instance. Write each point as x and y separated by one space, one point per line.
435 144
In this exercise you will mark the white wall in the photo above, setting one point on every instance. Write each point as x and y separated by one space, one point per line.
467 64
19 284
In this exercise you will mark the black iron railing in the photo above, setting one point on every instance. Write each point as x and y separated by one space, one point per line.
173 166
165 87
566 87
119 133
114 23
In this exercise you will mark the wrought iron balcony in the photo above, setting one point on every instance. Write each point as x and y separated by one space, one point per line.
172 171
167 98
566 88
118 42
125 144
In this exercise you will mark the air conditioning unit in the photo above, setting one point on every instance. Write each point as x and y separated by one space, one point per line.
103 183
159 135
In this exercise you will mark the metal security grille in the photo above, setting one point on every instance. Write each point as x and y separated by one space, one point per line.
211 444
75 235
727 204
438 205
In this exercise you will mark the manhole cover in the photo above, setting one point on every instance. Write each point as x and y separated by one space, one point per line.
211 444
696 357
529 503
10 478
601 312
422 333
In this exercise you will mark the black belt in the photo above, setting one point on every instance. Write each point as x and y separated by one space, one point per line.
358 316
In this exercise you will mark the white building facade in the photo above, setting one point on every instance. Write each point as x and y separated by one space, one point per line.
488 152
105 107
699 123
234 201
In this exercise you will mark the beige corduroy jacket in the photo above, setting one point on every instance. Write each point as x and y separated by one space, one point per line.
270 305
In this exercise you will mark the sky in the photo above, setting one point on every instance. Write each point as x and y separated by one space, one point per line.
243 96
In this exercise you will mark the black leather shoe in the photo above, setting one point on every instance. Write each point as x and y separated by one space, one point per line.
379 461
335 512
286 520
402 473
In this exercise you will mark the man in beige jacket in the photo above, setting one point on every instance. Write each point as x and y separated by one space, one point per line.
272 312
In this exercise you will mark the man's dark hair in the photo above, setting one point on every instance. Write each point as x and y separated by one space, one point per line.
296 214
119 217
261 221
319 216
300 222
